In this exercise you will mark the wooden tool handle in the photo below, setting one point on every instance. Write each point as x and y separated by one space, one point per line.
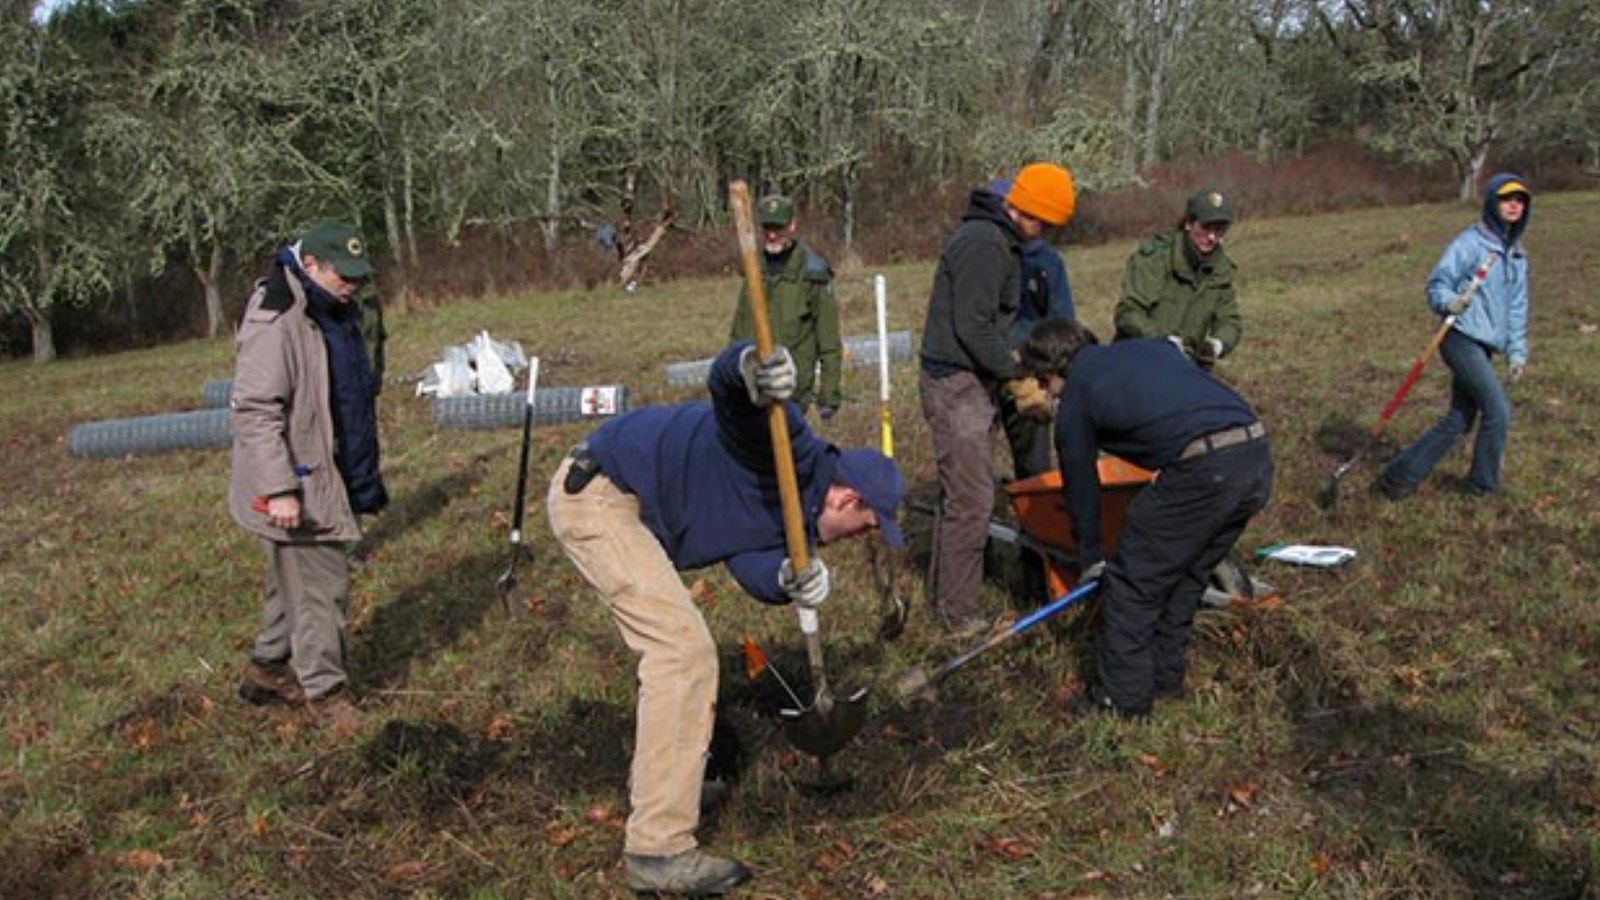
794 530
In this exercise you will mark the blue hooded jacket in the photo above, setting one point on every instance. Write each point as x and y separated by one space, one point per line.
1497 317
705 480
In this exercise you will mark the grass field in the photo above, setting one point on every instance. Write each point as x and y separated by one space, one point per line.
1425 722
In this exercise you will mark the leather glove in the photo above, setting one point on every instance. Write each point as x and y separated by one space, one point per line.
809 588
1180 343
1209 350
826 412
1093 573
1517 371
1032 400
768 380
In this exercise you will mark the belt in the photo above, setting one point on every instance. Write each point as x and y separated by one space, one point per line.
1228 437
585 466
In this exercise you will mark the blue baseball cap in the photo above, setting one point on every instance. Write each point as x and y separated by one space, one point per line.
878 480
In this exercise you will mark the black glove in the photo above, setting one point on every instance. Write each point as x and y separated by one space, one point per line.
826 412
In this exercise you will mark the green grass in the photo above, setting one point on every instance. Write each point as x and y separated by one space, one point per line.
1423 723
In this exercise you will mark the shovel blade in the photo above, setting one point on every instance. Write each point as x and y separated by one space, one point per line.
822 735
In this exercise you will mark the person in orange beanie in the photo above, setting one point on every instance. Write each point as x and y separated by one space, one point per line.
966 364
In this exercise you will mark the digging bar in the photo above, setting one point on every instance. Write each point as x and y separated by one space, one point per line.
916 681
896 609
833 723
1327 499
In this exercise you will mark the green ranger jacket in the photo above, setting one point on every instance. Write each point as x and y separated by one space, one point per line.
1166 290
805 318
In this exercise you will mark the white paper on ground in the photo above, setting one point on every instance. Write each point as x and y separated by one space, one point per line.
1321 557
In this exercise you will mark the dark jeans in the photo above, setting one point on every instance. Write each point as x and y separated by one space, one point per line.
1474 390
1178 529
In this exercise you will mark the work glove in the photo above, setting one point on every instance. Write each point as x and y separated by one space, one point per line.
1181 344
1459 305
1032 400
1209 351
1517 370
1093 573
770 379
807 589
826 412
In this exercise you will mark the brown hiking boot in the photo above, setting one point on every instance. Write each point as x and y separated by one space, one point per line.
337 712
266 684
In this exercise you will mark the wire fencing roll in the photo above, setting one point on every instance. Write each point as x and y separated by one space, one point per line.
551 406
860 350
205 429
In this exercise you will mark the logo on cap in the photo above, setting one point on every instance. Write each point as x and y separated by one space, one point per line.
353 246
1214 198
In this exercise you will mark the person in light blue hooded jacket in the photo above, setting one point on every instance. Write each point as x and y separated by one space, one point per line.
1492 321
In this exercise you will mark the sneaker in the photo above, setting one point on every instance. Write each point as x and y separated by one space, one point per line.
337 712
265 684
693 873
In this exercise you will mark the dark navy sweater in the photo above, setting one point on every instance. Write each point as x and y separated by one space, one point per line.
1142 400
704 476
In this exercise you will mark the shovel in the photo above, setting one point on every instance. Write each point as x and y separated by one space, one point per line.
918 681
826 725
507 582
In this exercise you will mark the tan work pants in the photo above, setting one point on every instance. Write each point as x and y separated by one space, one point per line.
303 614
600 531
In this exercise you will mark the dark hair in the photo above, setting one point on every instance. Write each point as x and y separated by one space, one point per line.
1052 345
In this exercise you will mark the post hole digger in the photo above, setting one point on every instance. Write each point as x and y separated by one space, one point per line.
827 724
1327 499
507 584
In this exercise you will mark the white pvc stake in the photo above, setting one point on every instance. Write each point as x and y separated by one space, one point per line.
886 426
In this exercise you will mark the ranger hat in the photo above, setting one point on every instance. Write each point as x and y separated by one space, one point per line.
879 482
1209 206
339 244
775 210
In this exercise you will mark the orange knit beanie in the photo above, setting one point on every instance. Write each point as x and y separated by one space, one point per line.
1044 191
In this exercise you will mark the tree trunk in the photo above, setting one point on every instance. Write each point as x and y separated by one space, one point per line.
44 337
1130 87
552 188
210 282
1043 64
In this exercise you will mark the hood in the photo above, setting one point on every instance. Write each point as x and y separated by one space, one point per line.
1509 235
981 204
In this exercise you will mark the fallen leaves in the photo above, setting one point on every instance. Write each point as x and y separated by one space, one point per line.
1238 796
836 856
500 728
142 861
1006 849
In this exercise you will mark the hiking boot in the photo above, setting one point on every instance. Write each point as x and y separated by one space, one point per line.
337 712
692 873
968 627
1091 700
713 791
266 684
1389 489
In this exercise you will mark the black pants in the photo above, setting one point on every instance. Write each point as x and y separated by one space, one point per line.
1178 529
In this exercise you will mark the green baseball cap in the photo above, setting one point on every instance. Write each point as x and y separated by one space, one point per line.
340 244
775 210
1209 206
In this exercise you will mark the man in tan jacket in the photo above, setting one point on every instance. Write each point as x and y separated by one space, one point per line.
305 462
